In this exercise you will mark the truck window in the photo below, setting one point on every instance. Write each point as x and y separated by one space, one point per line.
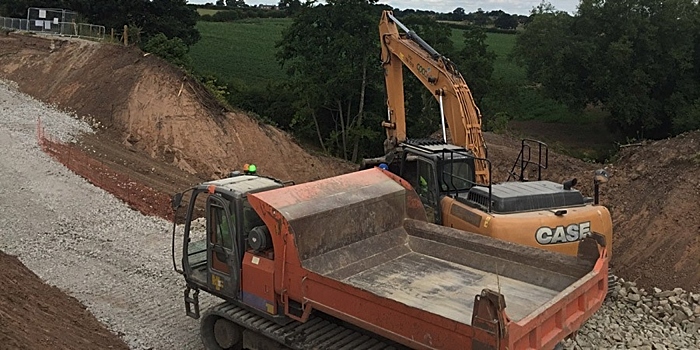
220 226
251 219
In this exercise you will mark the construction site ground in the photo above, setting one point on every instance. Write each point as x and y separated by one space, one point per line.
152 130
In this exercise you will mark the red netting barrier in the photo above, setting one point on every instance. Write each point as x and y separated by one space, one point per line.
138 196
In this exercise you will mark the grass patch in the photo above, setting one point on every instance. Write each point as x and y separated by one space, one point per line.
203 12
501 44
240 51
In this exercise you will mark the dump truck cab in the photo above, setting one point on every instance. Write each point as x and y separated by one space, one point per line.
212 253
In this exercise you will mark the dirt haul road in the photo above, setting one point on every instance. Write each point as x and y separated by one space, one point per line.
84 241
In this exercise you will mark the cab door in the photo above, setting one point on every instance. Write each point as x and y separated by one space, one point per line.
222 252
428 190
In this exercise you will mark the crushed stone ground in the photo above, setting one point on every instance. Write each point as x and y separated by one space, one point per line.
81 239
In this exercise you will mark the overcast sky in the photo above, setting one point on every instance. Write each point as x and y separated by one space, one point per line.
521 7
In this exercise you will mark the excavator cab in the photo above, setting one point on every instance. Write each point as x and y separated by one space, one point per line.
436 170
214 244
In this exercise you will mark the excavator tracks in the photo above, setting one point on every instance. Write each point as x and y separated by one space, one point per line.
318 333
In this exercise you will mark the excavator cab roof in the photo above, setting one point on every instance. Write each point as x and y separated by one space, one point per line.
437 149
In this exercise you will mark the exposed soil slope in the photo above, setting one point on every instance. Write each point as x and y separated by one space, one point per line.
654 195
152 107
34 315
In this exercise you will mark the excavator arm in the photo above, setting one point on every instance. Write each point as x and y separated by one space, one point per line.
439 75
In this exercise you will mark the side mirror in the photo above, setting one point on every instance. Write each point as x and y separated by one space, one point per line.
176 200
600 176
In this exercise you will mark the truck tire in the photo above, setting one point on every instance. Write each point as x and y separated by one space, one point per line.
219 333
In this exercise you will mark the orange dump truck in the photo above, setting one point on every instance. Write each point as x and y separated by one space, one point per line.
350 262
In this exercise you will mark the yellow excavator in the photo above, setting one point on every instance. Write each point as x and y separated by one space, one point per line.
453 179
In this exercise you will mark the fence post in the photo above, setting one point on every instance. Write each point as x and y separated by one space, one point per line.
126 36
112 36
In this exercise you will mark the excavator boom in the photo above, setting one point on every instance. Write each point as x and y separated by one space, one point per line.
439 75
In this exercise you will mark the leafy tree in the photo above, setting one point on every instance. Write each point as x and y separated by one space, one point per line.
639 59
475 62
458 14
330 53
479 18
506 21
236 3
170 17
290 6
173 50
548 52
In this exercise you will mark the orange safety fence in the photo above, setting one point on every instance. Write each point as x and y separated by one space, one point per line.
137 195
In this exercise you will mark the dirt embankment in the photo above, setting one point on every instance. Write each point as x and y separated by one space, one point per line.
654 197
34 315
151 107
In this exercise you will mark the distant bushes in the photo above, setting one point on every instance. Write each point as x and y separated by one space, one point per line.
242 13
465 26
173 50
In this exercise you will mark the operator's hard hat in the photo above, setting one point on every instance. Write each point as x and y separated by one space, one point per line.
246 167
252 168
383 166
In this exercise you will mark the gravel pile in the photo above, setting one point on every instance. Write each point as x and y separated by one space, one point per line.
636 319
81 239
19 114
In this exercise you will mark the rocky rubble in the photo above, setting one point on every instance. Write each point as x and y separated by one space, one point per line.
633 318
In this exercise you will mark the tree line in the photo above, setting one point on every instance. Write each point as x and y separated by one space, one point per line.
154 18
637 59
238 9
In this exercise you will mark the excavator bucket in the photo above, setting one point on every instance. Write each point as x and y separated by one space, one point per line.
336 212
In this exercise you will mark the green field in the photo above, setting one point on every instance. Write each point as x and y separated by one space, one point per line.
241 51
203 12
501 44
244 52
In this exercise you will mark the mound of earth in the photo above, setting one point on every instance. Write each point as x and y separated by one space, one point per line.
34 315
654 196
143 103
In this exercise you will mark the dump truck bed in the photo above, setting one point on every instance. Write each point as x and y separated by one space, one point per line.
435 285
436 269
358 247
